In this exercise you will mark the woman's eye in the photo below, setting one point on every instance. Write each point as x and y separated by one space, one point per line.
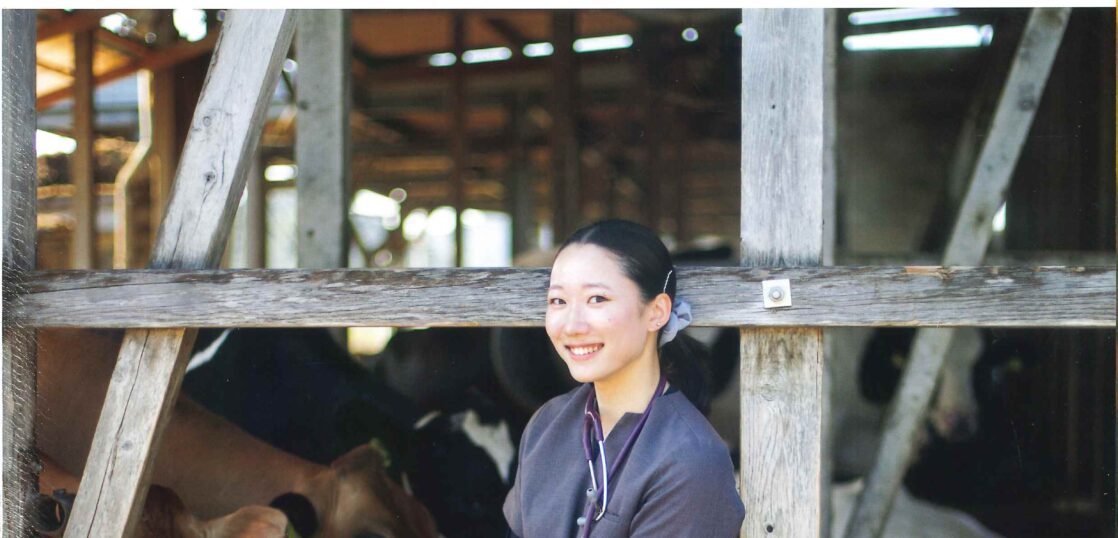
598 299
555 301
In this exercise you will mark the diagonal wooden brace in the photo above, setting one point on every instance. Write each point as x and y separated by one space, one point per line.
211 177
1017 105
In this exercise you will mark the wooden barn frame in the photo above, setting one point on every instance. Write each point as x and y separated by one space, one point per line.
787 209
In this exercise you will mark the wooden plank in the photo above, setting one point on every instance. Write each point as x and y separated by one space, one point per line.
967 245
83 253
721 296
322 91
782 125
124 240
17 138
148 374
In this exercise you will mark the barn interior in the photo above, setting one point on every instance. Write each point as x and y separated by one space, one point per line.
482 138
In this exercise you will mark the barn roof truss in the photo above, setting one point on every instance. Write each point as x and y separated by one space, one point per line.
787 143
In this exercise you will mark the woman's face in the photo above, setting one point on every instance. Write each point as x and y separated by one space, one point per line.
595 316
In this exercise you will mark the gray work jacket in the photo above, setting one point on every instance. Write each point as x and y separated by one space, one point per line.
677 481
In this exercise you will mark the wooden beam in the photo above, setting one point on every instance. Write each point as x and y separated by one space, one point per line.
970 236
124 234
783 59
148 374
17 140
76 22
83 253
121 43
458 134
721 296
173 55
322 93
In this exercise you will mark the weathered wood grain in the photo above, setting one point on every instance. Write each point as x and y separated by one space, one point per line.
210 179
721 296
134 416
967 245
1023 258
782 176
84 203
830 231
17 372
322 91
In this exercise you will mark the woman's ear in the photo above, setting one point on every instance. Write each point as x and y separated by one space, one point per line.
659 310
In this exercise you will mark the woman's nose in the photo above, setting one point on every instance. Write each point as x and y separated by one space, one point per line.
575 322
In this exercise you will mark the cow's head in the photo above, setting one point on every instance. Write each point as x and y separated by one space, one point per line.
953 412
356 498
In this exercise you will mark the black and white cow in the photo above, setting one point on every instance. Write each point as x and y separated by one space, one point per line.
298 390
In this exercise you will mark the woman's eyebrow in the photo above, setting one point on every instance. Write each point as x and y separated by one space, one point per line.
587 285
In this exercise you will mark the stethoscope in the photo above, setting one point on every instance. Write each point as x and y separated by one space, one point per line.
592 434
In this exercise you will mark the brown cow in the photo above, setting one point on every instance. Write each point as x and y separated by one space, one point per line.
216 468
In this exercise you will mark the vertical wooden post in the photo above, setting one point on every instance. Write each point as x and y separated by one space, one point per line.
17 63
84 203
782 225
830 124
564 142
254 213
322 91
830 173
967 246
148 374
458 133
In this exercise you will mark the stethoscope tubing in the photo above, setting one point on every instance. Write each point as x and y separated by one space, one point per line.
592 422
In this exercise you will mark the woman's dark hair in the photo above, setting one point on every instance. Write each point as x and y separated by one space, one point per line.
646 261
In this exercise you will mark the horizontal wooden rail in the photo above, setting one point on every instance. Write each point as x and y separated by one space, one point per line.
721 296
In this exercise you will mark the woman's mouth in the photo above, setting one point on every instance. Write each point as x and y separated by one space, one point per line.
584 352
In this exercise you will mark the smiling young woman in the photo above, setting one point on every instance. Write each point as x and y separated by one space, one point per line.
629 452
